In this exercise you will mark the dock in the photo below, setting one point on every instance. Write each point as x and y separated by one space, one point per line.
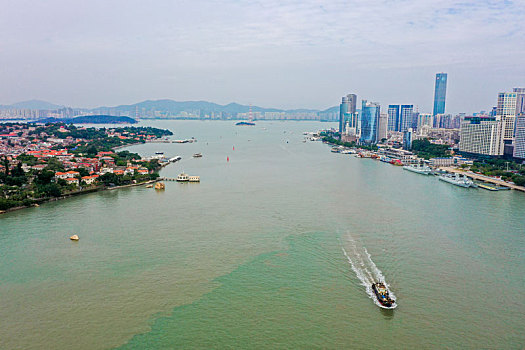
484 179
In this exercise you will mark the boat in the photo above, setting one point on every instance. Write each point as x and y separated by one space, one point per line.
149 186
335 150
175 159
160 186
385 159
418 169
194 179
183 177
244 123
159 153
74 238
382 295
197 155
458 180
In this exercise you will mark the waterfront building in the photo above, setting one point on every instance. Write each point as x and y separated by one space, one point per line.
519 142
383 125
507 110
393 117
440 93
482 136
408 138
347 110
370 112
406 117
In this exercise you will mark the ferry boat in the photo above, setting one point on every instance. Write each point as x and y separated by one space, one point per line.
458 180
382 295
418 169
183 177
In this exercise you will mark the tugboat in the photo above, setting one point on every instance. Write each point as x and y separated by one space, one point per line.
382 296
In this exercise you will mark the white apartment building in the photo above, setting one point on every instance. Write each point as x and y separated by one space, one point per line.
507 110
482 135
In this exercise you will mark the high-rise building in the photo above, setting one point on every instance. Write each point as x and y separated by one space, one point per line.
383 126
347 110
407 139
393 117
440 93
370 112
507 110
424 119
519 142
406 117
520 100
482 136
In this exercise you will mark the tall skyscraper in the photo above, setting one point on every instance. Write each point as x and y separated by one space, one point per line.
347 110
406 117
507 110
370 112
440 93
382 132
393 117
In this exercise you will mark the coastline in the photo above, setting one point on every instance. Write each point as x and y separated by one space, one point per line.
77 193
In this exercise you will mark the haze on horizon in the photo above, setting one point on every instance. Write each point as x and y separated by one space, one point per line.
282 54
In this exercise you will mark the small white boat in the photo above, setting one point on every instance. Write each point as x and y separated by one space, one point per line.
74 238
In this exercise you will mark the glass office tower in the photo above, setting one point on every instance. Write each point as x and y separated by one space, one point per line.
370 112
440 94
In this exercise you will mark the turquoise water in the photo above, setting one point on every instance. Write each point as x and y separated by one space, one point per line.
252 257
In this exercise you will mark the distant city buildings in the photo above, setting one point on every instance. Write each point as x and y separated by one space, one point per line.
440 93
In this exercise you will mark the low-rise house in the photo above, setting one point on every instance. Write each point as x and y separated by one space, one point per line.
67 174
118 172
89 180
72 180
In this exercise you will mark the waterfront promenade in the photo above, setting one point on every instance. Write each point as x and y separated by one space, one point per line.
484 178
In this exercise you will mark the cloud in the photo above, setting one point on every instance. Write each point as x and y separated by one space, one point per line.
189 40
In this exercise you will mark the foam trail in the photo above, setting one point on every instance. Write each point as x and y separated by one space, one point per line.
365 269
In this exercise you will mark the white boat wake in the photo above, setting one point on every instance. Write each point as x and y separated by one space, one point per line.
365 269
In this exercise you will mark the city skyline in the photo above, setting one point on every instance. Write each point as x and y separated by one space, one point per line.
280 54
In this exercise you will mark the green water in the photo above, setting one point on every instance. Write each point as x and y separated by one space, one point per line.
252 257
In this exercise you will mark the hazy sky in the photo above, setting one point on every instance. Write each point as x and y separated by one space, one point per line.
284 54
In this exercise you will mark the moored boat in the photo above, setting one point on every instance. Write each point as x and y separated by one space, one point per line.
458 180
383 296
183 177
418 169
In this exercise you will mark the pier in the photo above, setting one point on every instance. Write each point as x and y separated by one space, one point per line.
484 178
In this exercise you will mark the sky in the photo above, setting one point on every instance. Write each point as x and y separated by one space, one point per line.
281 54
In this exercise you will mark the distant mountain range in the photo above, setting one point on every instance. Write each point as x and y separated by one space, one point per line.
32 104
91 119
166 106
